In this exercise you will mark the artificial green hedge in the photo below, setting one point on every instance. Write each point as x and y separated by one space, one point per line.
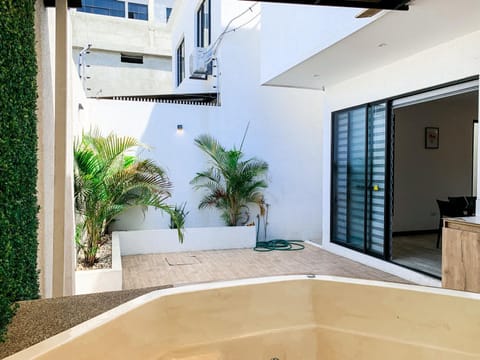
18 157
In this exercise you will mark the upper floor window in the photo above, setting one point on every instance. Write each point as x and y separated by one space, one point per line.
168 12
181 62
137 11
104 7
117 8
132 59
203 24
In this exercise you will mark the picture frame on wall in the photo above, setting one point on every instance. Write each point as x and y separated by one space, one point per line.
432 135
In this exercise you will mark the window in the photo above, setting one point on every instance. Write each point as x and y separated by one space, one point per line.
168 12
203 24
115 8
104 7
181 62
132 59
137 11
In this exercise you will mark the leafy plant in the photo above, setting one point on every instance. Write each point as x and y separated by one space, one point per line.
231 183
18 157
177 218
109 180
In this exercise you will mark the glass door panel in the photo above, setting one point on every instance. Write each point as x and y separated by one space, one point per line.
358 178
349 160
376 178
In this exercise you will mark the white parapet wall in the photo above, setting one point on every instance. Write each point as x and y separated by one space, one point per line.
195 239
101 280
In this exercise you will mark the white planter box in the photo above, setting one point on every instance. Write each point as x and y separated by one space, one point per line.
195 239
101 280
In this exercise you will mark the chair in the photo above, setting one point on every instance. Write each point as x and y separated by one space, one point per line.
463 205
445 209
458 206
472 202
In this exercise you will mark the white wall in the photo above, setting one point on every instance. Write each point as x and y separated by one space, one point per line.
450 61
136 36
160 9
107 75
291 34
183 27
156 125
421 175
285 130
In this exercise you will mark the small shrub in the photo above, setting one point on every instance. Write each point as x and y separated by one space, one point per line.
177 218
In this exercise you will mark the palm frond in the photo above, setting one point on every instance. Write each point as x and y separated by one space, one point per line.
231 183
110 179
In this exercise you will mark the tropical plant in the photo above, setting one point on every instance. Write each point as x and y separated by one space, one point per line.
231 183
110 179
177 218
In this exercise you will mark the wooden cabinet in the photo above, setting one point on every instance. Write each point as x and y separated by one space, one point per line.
461 254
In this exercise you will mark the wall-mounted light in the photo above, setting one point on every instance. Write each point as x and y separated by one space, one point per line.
179 129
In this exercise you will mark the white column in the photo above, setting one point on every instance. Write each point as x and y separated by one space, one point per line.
62 221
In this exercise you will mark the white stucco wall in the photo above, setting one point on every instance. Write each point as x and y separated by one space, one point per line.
146 37
160 9
291 34
450 61
106 74
183 27
285 128
284 136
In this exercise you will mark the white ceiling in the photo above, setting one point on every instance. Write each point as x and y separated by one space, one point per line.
395 35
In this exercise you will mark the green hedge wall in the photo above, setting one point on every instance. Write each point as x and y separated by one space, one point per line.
18 157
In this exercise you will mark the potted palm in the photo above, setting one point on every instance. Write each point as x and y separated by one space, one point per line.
231 184
108 180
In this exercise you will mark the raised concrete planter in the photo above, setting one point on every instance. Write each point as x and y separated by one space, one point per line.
101 280
196 239
157 241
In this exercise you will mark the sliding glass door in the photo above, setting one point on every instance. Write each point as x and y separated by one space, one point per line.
359 171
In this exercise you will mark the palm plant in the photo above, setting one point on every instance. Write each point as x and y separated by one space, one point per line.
231 183
179 215
109 180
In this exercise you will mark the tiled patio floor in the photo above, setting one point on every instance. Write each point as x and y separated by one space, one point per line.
203 266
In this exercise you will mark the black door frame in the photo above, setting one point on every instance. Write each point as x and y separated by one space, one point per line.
389 148
387 196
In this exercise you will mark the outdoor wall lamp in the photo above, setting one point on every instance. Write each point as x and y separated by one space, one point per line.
179 129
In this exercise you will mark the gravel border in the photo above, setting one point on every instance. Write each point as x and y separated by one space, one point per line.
37 320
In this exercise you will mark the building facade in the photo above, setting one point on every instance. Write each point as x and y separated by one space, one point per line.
299 78
132 59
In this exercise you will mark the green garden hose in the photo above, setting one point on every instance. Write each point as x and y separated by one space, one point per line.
278 244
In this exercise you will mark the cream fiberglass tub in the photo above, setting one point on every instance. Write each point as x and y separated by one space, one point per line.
279 318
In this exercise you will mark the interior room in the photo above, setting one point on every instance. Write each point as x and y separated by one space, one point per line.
435 152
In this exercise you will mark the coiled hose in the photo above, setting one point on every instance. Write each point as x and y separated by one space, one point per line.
280 245
276 244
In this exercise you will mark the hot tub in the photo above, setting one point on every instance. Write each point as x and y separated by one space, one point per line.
293 317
